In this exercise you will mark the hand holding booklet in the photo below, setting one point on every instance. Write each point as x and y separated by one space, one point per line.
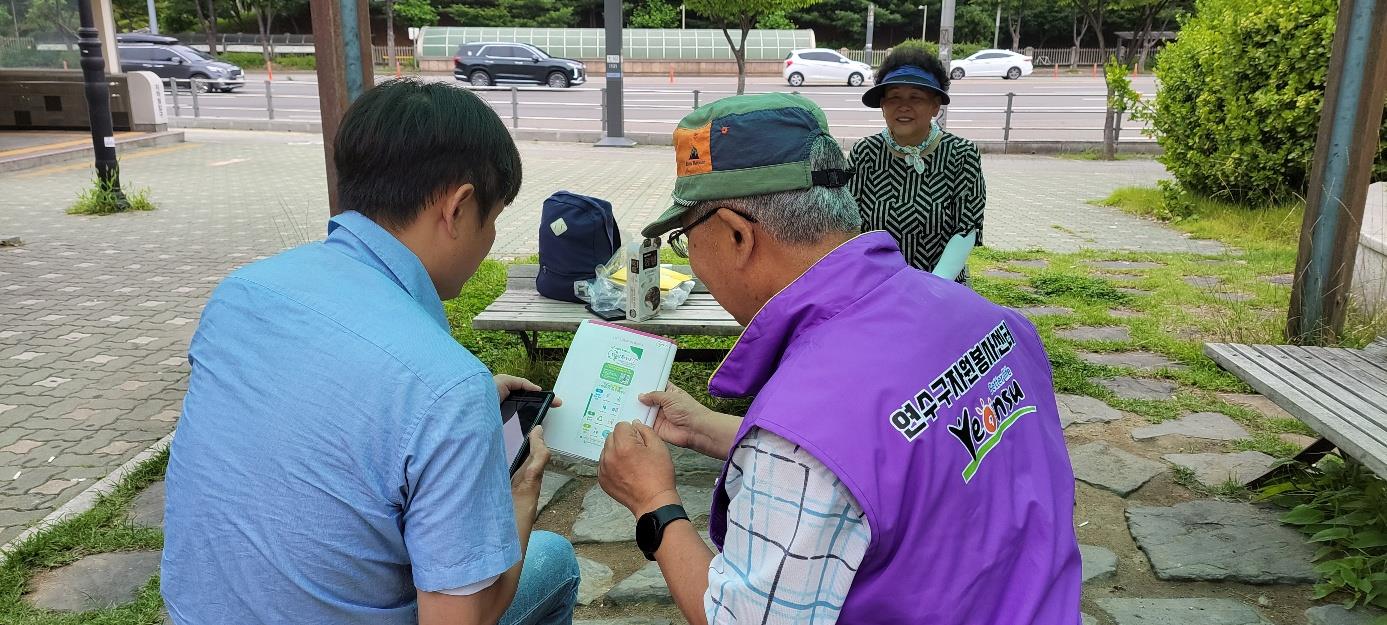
607 369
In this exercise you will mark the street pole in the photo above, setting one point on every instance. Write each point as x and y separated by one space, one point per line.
14 17
343 60
615 131
683 17
153 19
997 26
1340 173
871 24
98 103
924 23
946 48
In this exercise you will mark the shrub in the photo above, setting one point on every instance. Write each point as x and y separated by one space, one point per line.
1241 92
255 60
102 199
928 46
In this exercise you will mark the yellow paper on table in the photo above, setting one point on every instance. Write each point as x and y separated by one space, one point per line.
669 278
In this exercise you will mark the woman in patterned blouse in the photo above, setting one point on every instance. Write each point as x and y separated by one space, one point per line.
921 184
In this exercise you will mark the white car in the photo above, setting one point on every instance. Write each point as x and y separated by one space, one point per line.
821 65
1004 63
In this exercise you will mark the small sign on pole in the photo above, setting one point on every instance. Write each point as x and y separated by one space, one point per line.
413 33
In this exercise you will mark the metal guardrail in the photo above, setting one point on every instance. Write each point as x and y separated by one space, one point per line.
199 104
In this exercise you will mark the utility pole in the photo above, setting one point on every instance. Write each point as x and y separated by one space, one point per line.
924 23
14 17
153 19
98 103
997 26
946 48
683 16
1339 175
615 131
342 48
871 25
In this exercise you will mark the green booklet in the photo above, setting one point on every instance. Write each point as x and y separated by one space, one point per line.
606 370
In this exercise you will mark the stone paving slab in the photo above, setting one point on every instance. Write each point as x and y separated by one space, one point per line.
99 310
1214 469
1096 333
603 520
1180 612
1081 409
1210 540
1112 469
594 580
94 582
1206 425
1140 388
148 508
1338 615
1138 360
1099 563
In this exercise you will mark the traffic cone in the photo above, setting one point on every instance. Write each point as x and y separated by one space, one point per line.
270 67
671 74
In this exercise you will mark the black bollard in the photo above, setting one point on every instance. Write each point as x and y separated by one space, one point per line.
99 103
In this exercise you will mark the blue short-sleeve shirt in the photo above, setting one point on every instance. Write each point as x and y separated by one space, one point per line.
337 448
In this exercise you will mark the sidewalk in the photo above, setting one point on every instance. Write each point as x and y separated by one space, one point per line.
97 312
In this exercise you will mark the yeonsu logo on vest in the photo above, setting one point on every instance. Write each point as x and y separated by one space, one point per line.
979 428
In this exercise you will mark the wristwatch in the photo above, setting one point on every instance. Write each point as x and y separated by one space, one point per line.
650 529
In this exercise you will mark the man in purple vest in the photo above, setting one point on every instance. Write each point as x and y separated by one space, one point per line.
902 461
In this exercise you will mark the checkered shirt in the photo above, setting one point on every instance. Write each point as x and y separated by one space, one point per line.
795 538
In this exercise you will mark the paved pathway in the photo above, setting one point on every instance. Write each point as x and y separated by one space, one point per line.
95 313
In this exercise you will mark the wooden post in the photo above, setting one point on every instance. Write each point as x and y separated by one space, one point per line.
342 47
1340 173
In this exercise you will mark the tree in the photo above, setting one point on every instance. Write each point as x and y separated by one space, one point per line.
775 21
412 13
655 14
526 13
1079 28
742 15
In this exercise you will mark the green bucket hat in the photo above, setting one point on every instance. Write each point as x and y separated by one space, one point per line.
744 146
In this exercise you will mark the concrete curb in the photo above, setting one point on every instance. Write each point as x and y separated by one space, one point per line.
43 159
86 500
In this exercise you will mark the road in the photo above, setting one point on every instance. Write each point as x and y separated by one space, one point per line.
1044 107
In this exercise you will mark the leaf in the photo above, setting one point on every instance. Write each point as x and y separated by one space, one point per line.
1333 533
1355 519
1324 552
1369 539
1323 590
1303 515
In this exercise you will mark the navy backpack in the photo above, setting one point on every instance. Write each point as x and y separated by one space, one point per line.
576 234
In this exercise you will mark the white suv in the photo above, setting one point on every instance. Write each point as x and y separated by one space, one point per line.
1004 63
822 65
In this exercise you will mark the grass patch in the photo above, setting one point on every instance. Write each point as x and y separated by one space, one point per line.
102 529
101 199
1094 154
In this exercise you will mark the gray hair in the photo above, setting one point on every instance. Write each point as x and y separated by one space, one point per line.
805 216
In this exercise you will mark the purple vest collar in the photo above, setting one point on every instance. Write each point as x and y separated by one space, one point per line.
855 268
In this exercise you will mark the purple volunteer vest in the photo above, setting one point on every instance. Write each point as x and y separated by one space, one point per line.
936 409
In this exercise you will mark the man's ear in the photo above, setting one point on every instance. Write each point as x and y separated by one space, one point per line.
743 241
459 205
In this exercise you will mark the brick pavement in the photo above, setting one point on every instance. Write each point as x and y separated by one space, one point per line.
96 312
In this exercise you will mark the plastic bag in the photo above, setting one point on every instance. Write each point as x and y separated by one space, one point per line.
605 294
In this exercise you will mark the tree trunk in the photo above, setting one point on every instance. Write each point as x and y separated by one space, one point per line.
212 25
390 31
1109 145
262 23
1015 27
739 53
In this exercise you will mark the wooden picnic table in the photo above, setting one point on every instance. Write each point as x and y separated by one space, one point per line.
523 311
1340 393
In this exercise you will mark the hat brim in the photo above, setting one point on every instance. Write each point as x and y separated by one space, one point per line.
872 97
667 221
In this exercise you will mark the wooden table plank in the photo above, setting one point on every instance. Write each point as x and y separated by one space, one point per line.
1350 373
1279 386
1336 389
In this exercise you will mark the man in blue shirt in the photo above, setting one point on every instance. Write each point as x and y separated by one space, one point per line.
339 458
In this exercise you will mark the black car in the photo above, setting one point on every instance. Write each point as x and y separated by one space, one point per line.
487 63
169 59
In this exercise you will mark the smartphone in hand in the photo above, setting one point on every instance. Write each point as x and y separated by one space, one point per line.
520 413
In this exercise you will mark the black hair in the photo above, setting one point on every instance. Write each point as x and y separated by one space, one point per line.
919 57
405 142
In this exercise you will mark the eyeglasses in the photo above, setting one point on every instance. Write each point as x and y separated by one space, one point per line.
679 241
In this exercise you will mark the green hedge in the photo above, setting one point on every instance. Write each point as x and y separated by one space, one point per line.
22 57
254 60
1241 92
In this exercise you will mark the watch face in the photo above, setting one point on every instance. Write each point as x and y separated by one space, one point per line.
646 533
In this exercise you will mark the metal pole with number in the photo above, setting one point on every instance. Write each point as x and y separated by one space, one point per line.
871 25
98 102
153 19
615 133
924 23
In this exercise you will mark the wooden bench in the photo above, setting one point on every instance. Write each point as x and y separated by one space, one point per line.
1340 393
523 311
